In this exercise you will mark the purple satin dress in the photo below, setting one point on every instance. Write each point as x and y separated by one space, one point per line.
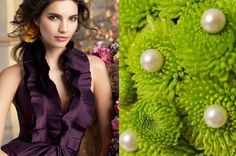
45 130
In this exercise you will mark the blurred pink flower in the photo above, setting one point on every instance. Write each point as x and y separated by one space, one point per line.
104 54
115 124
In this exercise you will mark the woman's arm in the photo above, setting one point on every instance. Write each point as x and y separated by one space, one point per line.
103 97
9 81
3 153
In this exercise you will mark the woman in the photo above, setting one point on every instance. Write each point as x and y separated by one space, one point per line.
58 91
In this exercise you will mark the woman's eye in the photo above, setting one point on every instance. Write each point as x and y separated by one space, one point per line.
74 18
53 18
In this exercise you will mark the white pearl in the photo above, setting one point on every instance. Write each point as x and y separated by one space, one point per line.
215 116
128 141
152 60
213 20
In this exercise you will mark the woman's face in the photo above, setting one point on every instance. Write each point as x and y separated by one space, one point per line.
57 23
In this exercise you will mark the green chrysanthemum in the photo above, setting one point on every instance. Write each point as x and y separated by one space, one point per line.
133 13
145 148
196 97
163 83
156 122
203 53
155 125
189 52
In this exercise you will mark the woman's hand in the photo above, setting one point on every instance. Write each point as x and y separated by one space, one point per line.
3 153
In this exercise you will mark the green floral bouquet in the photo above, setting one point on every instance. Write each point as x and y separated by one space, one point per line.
177 77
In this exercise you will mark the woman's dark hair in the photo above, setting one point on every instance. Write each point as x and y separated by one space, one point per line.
30 10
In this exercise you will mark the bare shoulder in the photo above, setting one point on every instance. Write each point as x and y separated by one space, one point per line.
10 79
96 64
12 74
98 73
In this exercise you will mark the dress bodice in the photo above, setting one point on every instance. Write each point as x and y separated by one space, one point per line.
44 128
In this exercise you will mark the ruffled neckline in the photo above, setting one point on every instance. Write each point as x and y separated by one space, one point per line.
45 99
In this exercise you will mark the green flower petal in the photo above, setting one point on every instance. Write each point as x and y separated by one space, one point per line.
182 149
133 13
127 92
126 38
172 9
229 7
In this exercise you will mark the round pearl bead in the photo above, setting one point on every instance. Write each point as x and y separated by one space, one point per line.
213 20
215 116
128 141
151 60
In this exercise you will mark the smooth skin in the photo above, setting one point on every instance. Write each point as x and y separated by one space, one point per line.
58 24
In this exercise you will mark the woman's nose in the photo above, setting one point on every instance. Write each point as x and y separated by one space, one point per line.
63 28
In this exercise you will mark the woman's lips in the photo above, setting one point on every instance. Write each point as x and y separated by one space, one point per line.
61 38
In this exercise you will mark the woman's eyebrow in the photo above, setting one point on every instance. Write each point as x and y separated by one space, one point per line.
54 14
58 15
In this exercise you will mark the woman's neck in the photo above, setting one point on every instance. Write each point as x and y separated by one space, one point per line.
52 56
